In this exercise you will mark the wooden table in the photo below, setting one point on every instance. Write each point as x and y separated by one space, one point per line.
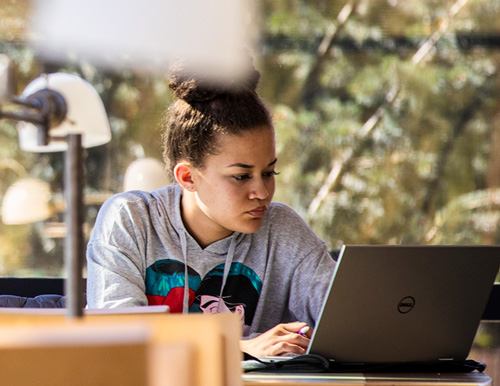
357 379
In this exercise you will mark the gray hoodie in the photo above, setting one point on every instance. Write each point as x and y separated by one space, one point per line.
140 253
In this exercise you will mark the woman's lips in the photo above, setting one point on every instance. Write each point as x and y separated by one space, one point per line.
258 212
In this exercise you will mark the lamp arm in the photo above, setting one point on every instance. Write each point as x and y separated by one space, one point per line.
35 118
45 108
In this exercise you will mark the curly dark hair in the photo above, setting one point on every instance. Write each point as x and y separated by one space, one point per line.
203 110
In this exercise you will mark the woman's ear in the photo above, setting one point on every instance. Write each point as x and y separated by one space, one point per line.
184 177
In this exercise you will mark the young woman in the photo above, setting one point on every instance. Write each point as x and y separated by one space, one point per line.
214 242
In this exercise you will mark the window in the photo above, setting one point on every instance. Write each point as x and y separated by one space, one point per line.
386 115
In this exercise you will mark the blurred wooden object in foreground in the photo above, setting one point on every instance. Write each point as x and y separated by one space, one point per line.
150 349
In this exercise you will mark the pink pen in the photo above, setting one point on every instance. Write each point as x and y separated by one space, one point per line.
303 330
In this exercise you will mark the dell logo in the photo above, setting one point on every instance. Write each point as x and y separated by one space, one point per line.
406 304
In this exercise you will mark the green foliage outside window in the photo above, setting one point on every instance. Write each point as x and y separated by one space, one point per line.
386 114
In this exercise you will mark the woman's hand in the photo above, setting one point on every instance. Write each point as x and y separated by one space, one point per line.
279 340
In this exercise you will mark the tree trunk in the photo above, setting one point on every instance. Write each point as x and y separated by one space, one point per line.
311 84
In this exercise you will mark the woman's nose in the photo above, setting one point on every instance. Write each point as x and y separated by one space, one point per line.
259 190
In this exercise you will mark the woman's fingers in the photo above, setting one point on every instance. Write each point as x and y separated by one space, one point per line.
280 340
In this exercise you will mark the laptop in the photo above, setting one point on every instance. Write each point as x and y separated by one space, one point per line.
405 304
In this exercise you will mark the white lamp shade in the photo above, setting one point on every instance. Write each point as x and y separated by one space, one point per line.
145 174
26 201
86 114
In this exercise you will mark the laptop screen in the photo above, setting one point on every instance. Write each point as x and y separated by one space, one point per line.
392 304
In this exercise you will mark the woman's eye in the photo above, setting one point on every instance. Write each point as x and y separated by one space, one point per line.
271 173
241 177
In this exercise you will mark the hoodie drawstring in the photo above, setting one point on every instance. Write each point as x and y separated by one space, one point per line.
227 267
185 301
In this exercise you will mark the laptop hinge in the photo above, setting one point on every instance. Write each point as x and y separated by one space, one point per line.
446 359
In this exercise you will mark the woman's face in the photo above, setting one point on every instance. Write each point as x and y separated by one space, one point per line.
234 188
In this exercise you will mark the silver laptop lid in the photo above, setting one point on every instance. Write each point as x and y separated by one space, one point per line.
392 304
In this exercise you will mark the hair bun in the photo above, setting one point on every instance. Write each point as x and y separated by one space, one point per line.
193 86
